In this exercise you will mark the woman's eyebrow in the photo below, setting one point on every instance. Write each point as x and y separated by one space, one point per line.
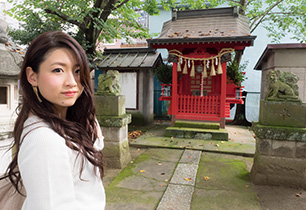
64 64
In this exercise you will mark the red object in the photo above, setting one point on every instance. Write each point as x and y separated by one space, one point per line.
186 102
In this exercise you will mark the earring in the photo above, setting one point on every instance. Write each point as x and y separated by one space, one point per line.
36 93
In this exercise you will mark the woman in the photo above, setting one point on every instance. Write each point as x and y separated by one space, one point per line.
56 136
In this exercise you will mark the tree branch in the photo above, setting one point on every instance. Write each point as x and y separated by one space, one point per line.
249 2
62 4
120 5
263 16
65 17
237 2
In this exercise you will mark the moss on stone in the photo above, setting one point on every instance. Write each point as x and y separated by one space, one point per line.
137 118
114 121
279 132
183 132
124 196
128 170
229 184
201 125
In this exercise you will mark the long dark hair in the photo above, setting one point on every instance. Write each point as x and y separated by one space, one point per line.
79 128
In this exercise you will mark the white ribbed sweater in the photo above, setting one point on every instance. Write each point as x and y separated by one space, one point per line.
50 172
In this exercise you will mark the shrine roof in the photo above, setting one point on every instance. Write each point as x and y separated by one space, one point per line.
270 47
130 59
207 25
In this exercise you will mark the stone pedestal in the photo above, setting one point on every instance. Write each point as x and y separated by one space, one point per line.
114 122
280 157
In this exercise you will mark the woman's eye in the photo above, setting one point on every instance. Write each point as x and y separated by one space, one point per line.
77 71
57 70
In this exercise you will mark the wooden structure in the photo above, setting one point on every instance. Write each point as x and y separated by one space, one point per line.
199 43
136 78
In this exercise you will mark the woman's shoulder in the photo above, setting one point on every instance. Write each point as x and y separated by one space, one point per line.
39 132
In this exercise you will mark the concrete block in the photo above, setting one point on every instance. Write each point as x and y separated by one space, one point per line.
279 132
300 150
279 171
288 114
264 146
283 148
116 155
110 105
115 134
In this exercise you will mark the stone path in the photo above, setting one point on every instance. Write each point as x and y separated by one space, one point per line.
179 192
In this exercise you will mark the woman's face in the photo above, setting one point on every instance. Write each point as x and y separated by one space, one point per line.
58 79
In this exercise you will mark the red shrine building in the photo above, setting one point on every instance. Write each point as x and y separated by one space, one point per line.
199 44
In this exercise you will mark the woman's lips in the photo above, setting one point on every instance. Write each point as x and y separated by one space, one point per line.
69 93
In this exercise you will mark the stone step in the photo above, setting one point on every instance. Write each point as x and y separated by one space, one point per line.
197 133
201 125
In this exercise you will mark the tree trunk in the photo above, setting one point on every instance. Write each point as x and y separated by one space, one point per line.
240 116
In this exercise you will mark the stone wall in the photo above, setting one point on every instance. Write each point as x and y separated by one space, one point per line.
280 162
280 156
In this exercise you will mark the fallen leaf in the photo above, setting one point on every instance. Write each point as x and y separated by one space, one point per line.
159 163
297 195
161 185
166 180
206 178
222 142
246 186
210 143
189 156
217 145
141 171
162 173
217 149
188 179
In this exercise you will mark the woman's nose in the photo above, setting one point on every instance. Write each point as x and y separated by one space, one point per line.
70 80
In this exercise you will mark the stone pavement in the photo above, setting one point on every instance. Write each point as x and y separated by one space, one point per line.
179 174
182 174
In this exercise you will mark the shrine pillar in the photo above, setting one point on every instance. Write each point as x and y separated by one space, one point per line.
174 92
223 95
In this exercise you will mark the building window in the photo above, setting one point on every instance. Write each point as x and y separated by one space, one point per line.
3 95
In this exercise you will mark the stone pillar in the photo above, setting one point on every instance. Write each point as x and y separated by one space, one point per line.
280 157
114 122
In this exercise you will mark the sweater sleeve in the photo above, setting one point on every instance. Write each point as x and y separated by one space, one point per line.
46 171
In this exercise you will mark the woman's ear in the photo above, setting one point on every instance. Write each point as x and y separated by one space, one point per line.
31 76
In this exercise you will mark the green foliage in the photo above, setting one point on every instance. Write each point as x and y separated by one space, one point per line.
93 21
235 72
34 26
164 73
